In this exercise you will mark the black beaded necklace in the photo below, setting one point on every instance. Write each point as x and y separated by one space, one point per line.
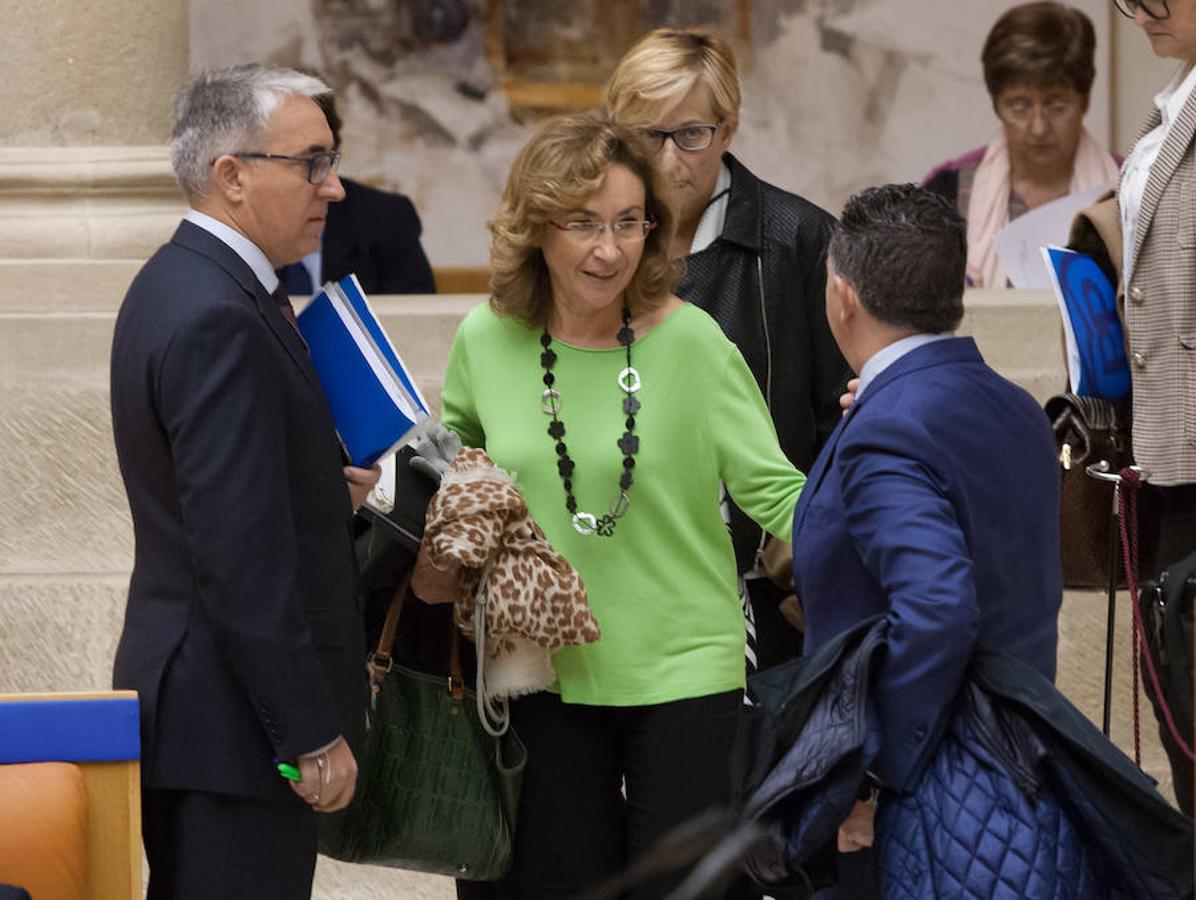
550 402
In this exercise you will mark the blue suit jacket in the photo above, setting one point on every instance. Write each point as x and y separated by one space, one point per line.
936 503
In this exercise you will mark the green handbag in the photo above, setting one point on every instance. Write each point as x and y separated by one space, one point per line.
435 791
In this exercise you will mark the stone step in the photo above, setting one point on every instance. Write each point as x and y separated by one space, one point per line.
55 410
1018 332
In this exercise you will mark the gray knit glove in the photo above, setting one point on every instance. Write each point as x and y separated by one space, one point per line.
434 451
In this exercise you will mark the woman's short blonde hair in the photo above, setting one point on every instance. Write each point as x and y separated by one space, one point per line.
662 67
564 163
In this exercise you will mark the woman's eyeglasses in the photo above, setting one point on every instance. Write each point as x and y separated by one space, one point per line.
1022 112
690 138
1156 9
588 231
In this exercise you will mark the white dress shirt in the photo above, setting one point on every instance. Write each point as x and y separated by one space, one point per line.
710 226
885 357
240 245
1136 171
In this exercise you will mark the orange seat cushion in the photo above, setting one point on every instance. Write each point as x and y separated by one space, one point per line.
42 829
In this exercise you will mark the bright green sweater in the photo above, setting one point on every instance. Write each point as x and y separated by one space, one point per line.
663 587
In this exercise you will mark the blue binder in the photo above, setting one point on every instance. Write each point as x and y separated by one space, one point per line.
375 402
1096 363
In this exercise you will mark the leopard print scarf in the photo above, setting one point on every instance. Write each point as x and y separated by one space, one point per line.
535 602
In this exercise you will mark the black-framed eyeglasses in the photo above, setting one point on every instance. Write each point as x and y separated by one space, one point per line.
690 138
1156 9
319 165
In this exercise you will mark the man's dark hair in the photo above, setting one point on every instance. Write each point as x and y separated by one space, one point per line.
904 250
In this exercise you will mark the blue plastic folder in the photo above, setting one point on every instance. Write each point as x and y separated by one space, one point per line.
375 402
1096 363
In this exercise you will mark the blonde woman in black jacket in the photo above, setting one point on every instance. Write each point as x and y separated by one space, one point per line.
755 259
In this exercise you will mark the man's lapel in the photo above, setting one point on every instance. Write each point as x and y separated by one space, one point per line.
821 464
194 238
952 350
285 332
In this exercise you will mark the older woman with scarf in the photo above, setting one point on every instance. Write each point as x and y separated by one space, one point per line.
621 411
1038 67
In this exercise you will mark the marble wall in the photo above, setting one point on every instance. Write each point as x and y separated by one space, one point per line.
90 73
838 94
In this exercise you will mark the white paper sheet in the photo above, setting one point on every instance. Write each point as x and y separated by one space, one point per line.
1019 244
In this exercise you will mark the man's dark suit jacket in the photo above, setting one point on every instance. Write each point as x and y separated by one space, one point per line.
935 503
375 234
242 635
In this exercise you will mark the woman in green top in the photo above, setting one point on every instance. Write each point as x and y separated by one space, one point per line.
620 410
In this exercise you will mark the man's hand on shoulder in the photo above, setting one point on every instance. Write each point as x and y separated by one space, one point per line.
328 777
847 398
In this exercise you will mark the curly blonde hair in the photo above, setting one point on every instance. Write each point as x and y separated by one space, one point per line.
564 163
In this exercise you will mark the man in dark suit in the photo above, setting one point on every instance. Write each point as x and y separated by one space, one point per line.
371 233
242 634
935 502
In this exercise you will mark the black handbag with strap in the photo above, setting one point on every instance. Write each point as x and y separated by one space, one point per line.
435 792
1087 430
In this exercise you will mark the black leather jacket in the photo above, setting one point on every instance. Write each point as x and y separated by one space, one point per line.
764 280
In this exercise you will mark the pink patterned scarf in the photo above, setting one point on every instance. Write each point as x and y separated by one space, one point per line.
988 206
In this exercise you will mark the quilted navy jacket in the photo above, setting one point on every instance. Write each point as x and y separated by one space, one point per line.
1023 796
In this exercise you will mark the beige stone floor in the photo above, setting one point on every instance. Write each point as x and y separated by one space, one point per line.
1081 676
343 881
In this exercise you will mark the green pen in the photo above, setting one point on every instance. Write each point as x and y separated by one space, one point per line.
289 772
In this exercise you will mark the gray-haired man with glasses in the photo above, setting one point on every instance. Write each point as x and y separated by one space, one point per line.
242 634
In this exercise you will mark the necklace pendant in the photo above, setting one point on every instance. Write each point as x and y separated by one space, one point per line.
551 402
585 523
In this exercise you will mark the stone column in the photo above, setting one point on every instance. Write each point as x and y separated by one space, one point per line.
86 194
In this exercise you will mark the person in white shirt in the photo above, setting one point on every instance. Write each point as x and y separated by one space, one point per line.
1157 207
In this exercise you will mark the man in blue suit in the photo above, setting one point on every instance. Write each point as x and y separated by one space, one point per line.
936 500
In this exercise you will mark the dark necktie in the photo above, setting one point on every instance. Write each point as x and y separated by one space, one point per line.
288 311
296 279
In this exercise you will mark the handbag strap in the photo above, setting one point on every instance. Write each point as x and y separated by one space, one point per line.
1128 523
1084 426
495 715
381 661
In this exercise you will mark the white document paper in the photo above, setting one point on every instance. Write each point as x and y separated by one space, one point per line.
1019 244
